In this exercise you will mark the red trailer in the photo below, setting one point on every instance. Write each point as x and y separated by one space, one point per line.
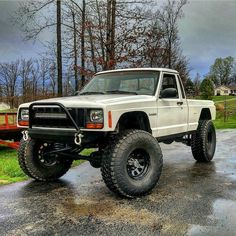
10 134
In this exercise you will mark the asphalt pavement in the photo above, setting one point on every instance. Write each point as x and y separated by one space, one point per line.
190 199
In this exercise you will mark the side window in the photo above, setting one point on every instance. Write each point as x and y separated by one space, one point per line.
169 81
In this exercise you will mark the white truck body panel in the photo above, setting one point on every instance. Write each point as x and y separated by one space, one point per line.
166 116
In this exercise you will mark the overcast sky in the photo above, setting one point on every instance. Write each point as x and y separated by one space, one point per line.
207 31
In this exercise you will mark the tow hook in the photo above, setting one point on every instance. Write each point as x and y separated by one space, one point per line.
25 135
78 138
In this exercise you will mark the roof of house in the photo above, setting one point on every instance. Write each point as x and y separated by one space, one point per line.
4 106
232 87
222 86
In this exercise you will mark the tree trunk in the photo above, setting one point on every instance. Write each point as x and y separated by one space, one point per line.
75 53
92 49
101 36
110 44
108 38
113 29
82 45
170 55
59 57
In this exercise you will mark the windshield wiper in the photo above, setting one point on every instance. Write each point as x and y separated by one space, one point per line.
121 92
90 93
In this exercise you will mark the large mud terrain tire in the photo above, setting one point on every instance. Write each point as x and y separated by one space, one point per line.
132 163
37 164
203 141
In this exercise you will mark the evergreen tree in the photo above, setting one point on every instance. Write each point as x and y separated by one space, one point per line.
207 89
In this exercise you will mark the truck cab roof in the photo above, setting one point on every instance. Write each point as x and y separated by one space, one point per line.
139 69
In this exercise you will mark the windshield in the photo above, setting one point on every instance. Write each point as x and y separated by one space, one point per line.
128 82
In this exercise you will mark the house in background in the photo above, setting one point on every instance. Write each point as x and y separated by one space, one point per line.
4 106
232 90
222 90
225 90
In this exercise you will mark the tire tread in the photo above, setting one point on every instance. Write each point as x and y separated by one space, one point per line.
108 162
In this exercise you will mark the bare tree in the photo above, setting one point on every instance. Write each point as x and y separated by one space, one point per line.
59 54
110 34
35 80
196 84
25 74
168 17
52 77
8 78
34 19
105 34
43 74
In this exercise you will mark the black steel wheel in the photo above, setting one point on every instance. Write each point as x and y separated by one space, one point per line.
138 164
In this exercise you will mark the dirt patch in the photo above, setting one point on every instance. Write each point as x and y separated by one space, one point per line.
3 181
109 210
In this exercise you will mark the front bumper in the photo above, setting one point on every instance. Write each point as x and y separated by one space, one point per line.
59 134
65 136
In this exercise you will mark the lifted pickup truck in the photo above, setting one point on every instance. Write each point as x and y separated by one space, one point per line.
122 115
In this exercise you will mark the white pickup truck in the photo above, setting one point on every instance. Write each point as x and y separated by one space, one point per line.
121 115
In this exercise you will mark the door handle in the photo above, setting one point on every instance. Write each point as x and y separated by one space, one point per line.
180 103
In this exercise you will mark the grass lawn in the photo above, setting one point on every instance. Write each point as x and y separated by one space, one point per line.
10 171
222 98
231 118
229 124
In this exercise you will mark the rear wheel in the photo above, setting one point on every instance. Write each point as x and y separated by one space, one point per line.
203 141
40 161
132 163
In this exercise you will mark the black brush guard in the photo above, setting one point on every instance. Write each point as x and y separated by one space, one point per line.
61 135
64 109
54 134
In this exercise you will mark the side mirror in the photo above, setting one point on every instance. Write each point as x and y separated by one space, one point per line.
169 93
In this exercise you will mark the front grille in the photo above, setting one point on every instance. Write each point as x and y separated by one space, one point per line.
55 117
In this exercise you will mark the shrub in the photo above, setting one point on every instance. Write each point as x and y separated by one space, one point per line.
207 89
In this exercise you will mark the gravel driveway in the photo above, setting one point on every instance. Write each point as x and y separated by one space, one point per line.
190 199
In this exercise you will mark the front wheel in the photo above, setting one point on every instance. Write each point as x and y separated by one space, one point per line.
203 141
40 160
132 163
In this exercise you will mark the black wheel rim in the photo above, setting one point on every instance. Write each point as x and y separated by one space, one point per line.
45 159
138 164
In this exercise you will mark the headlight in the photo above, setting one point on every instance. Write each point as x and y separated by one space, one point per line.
24 114
96 116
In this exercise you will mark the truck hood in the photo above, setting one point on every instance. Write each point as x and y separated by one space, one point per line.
96 100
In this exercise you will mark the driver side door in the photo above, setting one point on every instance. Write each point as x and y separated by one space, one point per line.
172 112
